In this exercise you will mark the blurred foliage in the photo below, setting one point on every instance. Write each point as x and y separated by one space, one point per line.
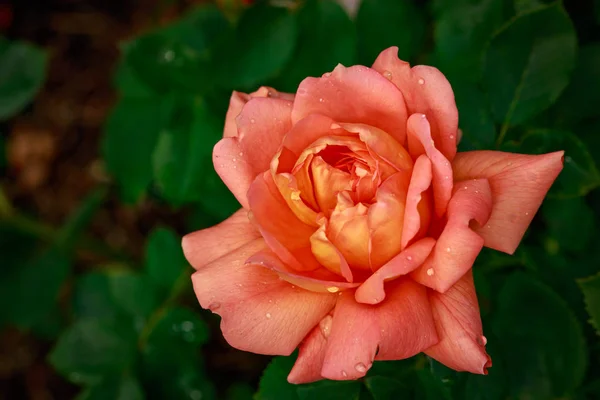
522 82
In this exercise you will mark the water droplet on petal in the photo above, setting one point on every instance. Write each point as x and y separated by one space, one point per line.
409 258
321 100
268 315
451 136
344 374
448 249
333 289
234 160
252 121
466 188
327 74
421 81
325 325
241 154
360 367
387 75
482 340
214 306
430 271
526 213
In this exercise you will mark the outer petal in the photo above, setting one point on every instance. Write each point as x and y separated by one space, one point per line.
419 142
456 314
260 312
416 220
311 354
426 90
458 246
519 184
356 94
372 290
284 233
234 170
400 327
205 246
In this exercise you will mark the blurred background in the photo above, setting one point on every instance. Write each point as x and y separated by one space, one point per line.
108 115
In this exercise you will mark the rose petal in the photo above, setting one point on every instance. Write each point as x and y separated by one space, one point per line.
456 314
419 142
303 176
311 354
458 245
262 124
320 280
519 183
427 91
357 95
288 187
327 254
275 221
328 182
399 327
385 219
349 232
416 219
372 290
234 171
205 246
260 312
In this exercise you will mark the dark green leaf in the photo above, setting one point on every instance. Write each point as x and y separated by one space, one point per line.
522 6
22 73
334 390
579 175
461 33
109 294
92 349
262 45
165 262
493 385
183 154
384 388
430 387
240 391
221 203
591 293
80 218
273 384
132 132
542 341
178 327
314 56
528 63
476 120
123 388
570 222
581 98
384 23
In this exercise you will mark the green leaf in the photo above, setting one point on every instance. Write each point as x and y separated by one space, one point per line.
581 98
476 120
240 391
183 154
80 218
177 57
262 45
131 134
522 6
384 388
165 262
579 175
122 388
384 23
113 293
591 293
334 390
92 349
221 203
570 222
542 341
22 73
314 56
273 384
430 387
493 385
178 328
461 33
528 63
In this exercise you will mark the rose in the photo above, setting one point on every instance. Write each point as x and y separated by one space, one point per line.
360 223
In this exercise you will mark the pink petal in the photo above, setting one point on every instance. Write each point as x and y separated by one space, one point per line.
419 142
399 327
260 312
356 94
234 170
311 354
416 221
426 91
205 246
275 221
288 187
456 314
328 182
239 99
327 254
349 232
372 290
385 219
519 183
458 246
320 280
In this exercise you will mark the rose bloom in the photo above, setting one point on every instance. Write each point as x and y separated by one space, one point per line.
360 222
